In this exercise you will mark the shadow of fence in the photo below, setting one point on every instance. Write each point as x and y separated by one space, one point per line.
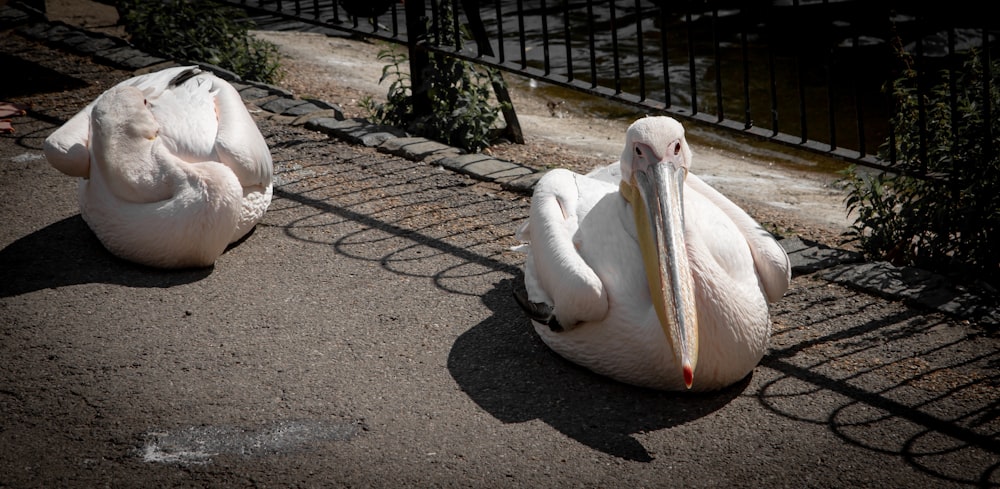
879 376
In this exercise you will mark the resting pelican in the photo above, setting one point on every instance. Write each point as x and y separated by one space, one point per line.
641 272
173 168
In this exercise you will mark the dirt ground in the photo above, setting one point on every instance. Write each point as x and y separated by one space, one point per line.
365 336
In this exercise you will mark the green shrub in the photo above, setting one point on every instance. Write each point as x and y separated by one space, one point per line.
942 212
462 113
200 31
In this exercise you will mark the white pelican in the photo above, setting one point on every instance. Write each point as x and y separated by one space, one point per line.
173 168
641 272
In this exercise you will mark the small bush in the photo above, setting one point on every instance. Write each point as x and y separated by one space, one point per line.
202 31
942 212
462 113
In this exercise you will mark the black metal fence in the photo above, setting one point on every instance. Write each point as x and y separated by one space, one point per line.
805 73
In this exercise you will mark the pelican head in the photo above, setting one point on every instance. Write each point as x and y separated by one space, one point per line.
122 112
123 142
654 165
122 128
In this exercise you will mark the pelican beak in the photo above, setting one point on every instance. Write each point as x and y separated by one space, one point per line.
656 195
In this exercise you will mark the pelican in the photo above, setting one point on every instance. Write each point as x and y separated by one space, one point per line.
641 272
172 167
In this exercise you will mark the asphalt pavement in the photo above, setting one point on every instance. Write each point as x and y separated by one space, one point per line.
365 335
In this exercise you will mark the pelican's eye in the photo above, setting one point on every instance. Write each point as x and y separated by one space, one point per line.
677 149
638 151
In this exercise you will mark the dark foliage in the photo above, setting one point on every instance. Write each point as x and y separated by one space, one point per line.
203 31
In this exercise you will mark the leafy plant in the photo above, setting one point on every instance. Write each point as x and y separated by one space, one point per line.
203 31
941 212
462 113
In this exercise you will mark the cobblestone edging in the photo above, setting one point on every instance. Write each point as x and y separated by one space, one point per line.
913 286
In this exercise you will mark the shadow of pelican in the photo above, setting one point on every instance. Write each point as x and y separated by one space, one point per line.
68 253
507 370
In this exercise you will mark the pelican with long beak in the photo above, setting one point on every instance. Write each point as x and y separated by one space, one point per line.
642 272
172 167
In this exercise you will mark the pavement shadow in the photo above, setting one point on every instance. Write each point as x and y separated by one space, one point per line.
904 384
500 363
503 366
33 79
67 253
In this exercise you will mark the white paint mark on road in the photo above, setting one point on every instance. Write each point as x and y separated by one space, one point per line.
26 157
198 444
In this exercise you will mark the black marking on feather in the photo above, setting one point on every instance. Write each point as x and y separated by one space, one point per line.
537 311
184 76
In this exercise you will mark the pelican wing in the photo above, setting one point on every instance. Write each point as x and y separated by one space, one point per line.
770 260
239 142
204 117
68 148
555 272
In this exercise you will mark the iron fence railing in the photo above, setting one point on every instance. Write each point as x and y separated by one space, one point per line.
804 73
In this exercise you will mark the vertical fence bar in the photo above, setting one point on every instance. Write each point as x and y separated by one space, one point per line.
803 121
416 36
499 21
921 109
520 32
593 50
474 23
614 49
692 69
545 38
745 52
831 98
395 20
717 55
831 88
456 29
859 105
435 23
639 50
773 85
954 65
889 98
568 39
665 57
988 148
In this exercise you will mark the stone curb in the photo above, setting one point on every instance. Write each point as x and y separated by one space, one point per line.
913 286
808 257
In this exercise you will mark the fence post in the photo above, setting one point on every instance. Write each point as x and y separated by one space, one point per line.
513 129
416 36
